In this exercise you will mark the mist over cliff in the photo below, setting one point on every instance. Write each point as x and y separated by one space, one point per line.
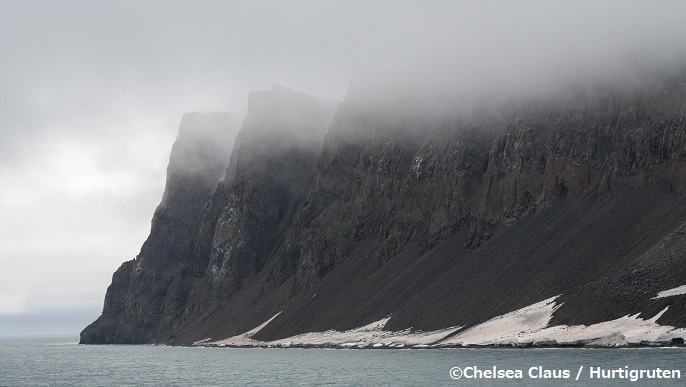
93 94
426 210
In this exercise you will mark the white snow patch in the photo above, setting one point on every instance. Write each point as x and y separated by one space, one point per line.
509 328
202 341
529 325
244 339
671 292
621 331
370 334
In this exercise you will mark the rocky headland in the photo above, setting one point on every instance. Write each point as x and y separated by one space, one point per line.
555 219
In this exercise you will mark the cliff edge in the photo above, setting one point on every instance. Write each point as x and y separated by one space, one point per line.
424 217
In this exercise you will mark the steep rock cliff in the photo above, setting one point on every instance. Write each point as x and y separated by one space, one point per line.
440 219
272 164
209 236
133 310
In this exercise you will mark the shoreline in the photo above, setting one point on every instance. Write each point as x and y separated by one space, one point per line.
440 346
528 327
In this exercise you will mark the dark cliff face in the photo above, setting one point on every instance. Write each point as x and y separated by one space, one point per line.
494 166
209 236
273 162
429 220
134 302
435 220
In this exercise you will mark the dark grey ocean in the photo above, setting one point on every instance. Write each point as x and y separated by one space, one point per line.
60 361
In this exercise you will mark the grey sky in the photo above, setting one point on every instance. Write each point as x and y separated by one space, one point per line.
92 92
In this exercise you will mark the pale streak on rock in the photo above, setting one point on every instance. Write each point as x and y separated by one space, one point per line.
671 292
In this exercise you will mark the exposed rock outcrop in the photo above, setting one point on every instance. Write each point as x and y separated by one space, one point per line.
436 220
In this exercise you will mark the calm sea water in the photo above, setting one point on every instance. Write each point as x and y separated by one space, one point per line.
60 361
